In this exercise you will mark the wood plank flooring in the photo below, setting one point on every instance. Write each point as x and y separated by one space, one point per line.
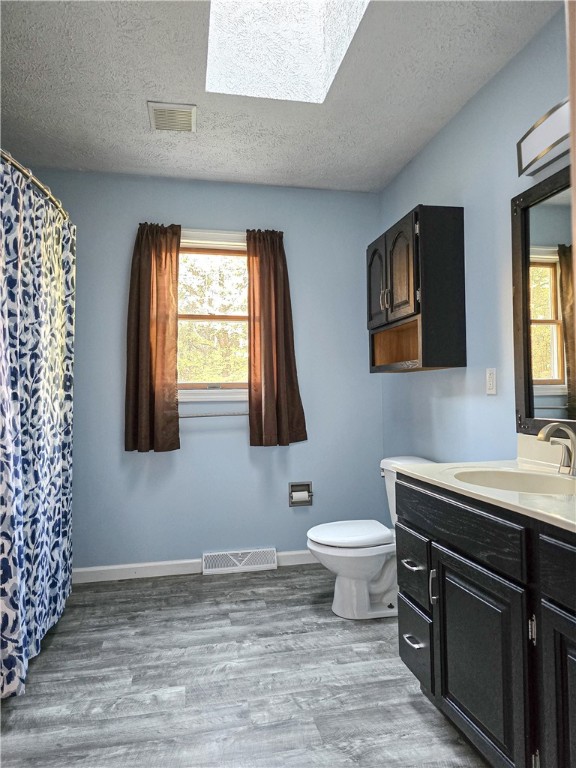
234 671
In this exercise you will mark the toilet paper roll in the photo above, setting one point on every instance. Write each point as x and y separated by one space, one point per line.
300 496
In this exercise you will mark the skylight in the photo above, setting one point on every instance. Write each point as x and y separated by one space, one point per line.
274 49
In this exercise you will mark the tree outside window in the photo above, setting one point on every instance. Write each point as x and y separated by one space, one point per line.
212 320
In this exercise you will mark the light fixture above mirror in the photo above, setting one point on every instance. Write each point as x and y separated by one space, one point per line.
546 142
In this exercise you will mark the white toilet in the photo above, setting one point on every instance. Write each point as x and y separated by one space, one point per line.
362 554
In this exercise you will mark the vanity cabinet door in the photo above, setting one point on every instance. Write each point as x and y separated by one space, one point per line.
480 653
557 641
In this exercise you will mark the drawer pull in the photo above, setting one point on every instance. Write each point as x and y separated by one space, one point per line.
413 642
433 598
412 566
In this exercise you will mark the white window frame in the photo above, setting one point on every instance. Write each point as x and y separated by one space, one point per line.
547 254
223 241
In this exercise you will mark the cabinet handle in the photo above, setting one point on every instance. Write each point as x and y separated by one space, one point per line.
387 298
413 642
411 565
433 598
382 304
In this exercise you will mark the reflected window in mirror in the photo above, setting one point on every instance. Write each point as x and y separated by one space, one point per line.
549 300
544 340
546 336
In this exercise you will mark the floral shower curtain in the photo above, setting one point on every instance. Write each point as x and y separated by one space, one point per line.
36 355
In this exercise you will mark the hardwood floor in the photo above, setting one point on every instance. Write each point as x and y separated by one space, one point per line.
234 671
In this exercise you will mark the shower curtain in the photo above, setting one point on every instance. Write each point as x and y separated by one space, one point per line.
36 355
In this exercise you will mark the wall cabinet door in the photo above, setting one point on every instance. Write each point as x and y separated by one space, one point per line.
376 267
557 641
480 656
400 263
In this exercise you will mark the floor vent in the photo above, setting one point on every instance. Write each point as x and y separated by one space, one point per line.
233 562
172 117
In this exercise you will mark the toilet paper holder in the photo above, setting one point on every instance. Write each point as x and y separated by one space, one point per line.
300 494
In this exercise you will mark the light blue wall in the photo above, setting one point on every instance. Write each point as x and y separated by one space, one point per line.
550 225
446 415
217 492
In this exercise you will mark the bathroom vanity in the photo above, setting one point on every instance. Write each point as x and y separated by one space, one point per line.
487 609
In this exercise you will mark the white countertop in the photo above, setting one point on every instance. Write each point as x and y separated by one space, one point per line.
554 509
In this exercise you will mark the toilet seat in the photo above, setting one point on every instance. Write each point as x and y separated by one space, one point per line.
343 552
354 534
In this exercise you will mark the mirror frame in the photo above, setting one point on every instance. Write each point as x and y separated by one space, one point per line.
525 424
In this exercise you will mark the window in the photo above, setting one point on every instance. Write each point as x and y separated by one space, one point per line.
212 313
546 337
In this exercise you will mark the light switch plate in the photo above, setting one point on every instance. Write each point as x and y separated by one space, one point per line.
490 381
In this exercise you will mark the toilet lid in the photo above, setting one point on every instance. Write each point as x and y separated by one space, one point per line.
351 533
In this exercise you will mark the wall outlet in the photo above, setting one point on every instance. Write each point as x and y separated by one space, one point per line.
490 381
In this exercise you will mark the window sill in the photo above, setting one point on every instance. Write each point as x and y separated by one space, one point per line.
549 390
212 395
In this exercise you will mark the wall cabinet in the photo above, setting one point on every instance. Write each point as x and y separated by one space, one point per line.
416 304
487 623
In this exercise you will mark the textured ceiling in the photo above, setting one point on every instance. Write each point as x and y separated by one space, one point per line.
76 77
247 55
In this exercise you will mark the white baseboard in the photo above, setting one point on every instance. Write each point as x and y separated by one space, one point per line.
296 557
168 568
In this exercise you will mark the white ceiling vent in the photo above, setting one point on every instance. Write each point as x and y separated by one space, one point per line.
172 117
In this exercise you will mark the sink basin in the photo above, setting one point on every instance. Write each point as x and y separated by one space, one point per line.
518 481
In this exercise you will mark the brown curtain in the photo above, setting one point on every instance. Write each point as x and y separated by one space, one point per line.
275 407
568 323
151 392
571 34
571 31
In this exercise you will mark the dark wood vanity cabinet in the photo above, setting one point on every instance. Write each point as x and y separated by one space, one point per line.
557 640
482 624
558 674
416 306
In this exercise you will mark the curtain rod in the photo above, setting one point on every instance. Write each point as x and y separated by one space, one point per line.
29 175
209 415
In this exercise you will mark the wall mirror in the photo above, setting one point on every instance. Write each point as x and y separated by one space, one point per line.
544 325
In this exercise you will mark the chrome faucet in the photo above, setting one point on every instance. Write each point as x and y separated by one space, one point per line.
568 454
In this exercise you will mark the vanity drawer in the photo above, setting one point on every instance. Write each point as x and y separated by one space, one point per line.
415 641
491 541
557 570
413 563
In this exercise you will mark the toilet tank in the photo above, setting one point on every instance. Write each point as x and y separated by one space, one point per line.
388 469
